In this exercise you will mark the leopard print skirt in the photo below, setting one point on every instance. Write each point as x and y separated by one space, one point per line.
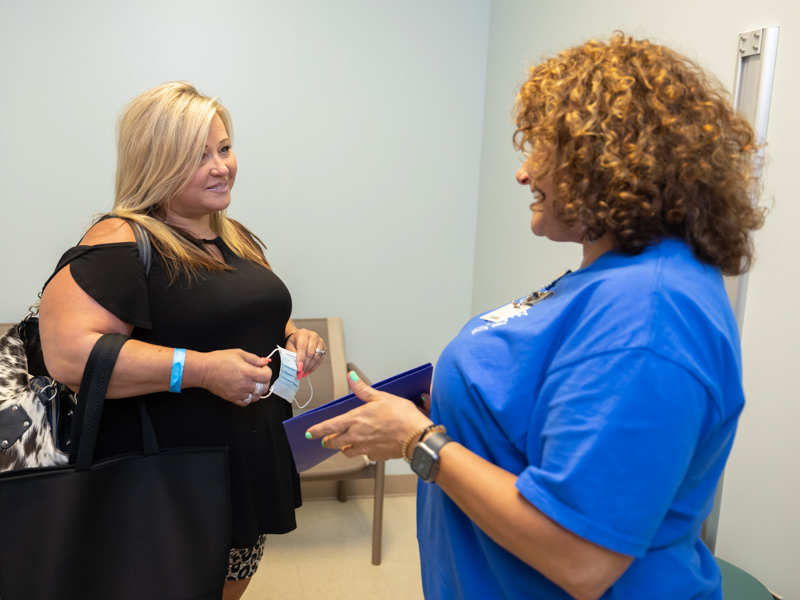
243 562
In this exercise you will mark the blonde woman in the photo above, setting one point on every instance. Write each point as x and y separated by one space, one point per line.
202 322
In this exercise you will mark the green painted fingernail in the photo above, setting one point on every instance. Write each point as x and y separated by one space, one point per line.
308 435
353 376
322 441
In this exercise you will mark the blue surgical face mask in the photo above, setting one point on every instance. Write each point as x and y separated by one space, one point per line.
287 383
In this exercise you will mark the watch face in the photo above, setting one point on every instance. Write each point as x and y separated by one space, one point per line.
422 462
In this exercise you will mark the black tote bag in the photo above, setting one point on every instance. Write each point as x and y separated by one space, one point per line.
146 526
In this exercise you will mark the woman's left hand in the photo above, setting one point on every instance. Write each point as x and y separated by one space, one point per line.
377 429
306 343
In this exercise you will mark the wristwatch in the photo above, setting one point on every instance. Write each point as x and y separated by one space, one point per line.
425 460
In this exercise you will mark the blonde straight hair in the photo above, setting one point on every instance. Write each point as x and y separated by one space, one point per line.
161 137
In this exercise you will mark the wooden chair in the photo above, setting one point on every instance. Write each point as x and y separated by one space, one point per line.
330 382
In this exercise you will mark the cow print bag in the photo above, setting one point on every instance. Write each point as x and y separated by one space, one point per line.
35 410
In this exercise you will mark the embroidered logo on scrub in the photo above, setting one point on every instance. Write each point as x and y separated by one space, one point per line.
518 308
501 316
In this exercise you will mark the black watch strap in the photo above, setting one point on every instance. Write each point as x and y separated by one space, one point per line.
425 461
435 441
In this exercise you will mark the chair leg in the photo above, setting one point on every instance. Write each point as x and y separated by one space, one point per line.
341 490
377 514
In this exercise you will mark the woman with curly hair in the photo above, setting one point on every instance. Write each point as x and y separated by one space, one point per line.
576 436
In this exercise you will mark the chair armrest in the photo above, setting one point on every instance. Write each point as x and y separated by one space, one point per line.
359 372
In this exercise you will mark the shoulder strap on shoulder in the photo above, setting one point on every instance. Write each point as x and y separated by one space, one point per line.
142 241
143 245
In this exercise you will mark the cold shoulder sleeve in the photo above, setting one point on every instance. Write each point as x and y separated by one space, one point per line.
113 274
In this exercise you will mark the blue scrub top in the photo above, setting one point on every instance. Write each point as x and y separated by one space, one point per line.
615 401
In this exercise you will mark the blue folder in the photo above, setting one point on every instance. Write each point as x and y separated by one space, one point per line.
308 453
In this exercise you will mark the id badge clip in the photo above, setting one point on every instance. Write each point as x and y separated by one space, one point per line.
516 308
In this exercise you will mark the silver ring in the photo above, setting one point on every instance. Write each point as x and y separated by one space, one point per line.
259 389
321 352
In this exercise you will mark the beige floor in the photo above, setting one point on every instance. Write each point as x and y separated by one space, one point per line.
329 555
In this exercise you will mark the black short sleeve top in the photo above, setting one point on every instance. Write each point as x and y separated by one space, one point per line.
113 274
248 308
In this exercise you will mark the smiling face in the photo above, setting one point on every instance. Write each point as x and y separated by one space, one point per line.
544 222
208 189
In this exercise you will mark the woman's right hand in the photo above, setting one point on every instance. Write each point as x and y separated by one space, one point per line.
376 429
229 374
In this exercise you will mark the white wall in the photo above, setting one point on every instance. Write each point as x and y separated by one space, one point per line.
357 131
760 521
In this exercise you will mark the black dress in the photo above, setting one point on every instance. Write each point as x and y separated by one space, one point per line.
245 308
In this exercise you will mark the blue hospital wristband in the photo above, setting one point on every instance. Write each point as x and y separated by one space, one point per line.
178 358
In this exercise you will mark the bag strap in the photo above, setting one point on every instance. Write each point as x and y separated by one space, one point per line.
91 396
143 245
142 241
149 441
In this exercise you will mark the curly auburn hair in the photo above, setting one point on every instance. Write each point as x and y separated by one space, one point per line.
642 144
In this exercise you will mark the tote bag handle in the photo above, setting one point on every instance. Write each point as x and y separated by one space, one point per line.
91 398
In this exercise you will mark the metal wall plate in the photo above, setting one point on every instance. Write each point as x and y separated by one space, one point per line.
750 42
